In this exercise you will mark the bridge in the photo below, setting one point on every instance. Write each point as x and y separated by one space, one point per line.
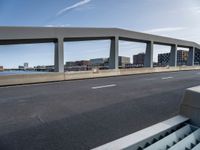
84 114
20 35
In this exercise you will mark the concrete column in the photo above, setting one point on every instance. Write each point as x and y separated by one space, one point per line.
191 56
59 55
173 56
114 52
197 56
148 60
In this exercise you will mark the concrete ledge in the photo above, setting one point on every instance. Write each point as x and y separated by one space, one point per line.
38 78
190 106
133 141
30 78
107 73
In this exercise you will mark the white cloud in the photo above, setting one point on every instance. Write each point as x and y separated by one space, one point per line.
63 25
167 29
81 3
195 9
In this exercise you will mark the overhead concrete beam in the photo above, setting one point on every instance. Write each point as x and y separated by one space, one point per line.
34 33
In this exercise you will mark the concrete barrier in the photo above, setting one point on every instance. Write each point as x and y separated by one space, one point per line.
47 77
190 106
119 72
140 138
30 78
189 113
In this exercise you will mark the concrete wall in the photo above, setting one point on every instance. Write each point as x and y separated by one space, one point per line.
190 106
140 138
38 78
32 78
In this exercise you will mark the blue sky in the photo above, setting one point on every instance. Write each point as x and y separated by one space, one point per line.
174 18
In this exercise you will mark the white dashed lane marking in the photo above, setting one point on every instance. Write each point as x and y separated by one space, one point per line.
103 86
166 78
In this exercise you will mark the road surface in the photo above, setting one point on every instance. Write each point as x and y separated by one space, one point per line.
83 114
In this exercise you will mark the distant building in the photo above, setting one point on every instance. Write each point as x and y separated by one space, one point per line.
77 63
49 68
182 57
70 63
21 67
123 61
1 68
25 65
138 60
81 65
163 59
99 61
40 68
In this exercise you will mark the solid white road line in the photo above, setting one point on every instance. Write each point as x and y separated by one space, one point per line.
103 86
166 78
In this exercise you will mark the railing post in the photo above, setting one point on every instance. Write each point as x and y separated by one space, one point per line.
59 55
191 56
114 52
148 61
173 56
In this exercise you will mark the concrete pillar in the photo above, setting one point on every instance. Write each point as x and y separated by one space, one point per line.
197 56
148 60
191 56
173 56
59 55
114 52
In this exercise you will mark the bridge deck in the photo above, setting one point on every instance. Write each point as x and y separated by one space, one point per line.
75 115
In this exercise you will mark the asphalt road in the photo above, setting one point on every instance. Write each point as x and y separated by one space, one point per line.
83 114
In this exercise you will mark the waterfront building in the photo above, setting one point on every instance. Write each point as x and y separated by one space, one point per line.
82 65
123 61
25 65
163 59
182 57
1 68
138 60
